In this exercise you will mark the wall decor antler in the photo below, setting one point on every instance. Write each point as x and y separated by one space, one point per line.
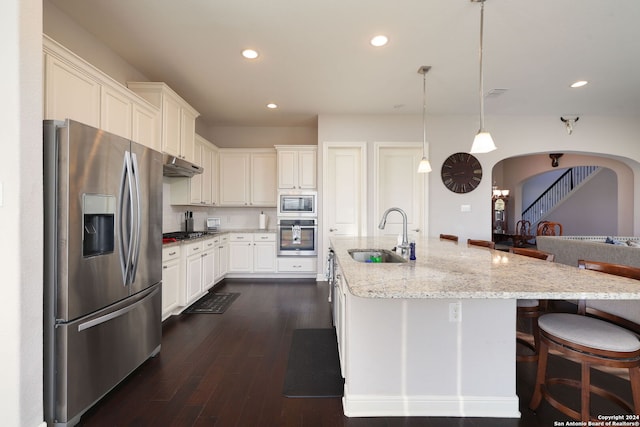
569 123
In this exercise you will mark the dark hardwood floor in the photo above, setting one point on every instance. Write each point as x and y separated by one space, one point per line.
228 370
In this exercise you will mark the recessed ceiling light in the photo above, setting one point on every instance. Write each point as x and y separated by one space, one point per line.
250 53
579 83
380 40
272 105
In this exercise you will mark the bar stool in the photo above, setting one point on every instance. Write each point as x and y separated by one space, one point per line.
591 341
451 237
523 233
549 228
531 308
483 243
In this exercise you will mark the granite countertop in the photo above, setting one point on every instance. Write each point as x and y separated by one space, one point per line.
444 269
210 234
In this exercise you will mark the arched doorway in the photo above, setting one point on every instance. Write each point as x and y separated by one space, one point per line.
603 207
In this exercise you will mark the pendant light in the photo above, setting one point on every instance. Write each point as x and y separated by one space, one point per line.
482 143
424 166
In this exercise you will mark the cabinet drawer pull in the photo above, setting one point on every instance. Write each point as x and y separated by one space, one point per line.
171 253
164 267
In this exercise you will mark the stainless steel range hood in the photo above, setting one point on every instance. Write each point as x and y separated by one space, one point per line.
175 167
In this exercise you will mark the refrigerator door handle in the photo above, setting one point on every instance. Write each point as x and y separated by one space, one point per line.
126 234
110 316
138 218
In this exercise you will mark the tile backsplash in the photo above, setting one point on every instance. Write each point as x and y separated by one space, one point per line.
230 218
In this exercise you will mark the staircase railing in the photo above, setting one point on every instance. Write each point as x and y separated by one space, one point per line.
556 192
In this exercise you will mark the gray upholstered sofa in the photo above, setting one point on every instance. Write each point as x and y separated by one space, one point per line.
569 249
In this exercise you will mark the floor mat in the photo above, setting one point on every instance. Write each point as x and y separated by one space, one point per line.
212 303
313 369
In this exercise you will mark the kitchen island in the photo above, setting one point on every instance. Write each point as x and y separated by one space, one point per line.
437 336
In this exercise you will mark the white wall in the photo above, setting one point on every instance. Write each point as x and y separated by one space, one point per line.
21 213
65 31
260 136
580 216
515 136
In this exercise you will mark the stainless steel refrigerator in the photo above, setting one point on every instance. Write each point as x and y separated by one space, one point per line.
103 264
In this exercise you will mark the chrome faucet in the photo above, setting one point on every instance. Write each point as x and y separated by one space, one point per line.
405 238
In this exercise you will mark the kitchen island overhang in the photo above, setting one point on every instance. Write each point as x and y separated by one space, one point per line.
437 336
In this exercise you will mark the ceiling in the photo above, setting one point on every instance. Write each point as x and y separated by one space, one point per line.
315 57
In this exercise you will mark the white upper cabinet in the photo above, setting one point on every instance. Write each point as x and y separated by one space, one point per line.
70 93
199 189
146 126
296 167
116 113
234 178
263 179
178 128
247 177
74 89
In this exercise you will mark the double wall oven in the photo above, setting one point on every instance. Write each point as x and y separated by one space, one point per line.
297 223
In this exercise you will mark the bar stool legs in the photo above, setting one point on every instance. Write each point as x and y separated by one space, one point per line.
587 361
532 312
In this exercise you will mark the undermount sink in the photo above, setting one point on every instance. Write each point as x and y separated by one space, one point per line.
375 255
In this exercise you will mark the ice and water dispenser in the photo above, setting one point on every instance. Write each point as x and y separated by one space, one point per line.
98 217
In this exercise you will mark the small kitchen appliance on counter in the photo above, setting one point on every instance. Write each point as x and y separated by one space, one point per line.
188 221
213 225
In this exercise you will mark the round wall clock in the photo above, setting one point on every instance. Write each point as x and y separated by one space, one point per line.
461 172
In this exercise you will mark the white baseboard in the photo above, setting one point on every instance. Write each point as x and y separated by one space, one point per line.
434 406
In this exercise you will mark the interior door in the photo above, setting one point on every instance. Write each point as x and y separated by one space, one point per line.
344 195
397 184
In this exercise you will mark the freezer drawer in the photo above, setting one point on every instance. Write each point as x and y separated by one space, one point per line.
95 353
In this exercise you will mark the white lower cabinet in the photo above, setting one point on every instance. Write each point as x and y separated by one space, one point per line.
241 253
297 264
264 252
208 265
171 274
340 320
189 270
252 253
200 269
193 278
222 256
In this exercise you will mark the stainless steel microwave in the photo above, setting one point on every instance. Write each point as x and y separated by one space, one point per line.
298 204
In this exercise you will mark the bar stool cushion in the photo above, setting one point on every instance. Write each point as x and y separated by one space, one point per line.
589 332
527 302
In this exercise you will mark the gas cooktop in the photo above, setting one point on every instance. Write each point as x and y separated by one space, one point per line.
183 235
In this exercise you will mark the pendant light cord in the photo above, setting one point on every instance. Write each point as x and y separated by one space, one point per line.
481 72
424 113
